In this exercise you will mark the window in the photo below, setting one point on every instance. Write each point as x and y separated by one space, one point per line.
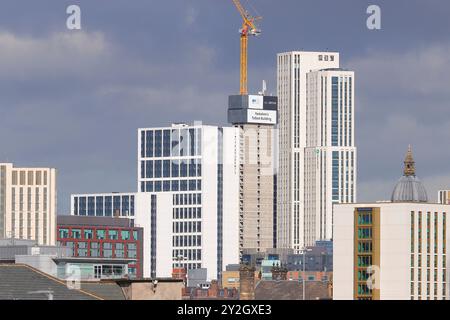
113 235
125 234
94 249
99 206
107 250
108 206
63 233
166 143
88 234
76 233
149 144
101 234
131 252
119 252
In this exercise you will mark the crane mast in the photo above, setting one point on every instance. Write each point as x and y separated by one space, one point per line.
248 28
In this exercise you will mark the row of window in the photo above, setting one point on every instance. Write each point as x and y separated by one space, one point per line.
171 185
103 250
187 241
428 290
29 178
187 254
171 143
187 213
104 205
187 199
187 227
171 168
99 234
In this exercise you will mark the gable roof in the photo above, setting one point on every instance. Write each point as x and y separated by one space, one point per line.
105 290
22 282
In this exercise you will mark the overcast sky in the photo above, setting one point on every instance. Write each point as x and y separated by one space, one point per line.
73 100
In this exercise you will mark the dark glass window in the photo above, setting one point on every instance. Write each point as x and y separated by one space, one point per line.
183 168
192 142
99 206
158 143
75 206
149 171
116 206
192 168
91 206
108 206
132 205
166 142
142 144
166 185
175 168
158 169
149 144
166 168
82 206
126 205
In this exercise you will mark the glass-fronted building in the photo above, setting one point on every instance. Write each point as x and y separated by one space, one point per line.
104 205
198 166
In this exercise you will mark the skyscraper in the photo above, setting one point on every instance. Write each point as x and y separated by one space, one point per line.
330 153
198 165
316 120
255 117
28 203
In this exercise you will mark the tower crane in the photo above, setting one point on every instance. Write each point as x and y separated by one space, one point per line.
248 28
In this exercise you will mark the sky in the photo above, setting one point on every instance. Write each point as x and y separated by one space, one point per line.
74 99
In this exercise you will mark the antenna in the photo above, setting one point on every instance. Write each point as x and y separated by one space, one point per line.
264 88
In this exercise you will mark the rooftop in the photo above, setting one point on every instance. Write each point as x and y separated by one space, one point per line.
22 282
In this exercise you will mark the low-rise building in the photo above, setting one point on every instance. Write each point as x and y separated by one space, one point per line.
103 237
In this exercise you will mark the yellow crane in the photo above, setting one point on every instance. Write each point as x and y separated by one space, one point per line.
248 28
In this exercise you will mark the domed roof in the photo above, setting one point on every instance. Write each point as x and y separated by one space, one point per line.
409 188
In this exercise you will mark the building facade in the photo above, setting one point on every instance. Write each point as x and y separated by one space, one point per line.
28 203
101 237
292 68
393 250
317 157
255 117
150 211
197 166
330 152
444 196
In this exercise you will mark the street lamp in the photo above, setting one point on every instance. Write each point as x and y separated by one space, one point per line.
304 250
